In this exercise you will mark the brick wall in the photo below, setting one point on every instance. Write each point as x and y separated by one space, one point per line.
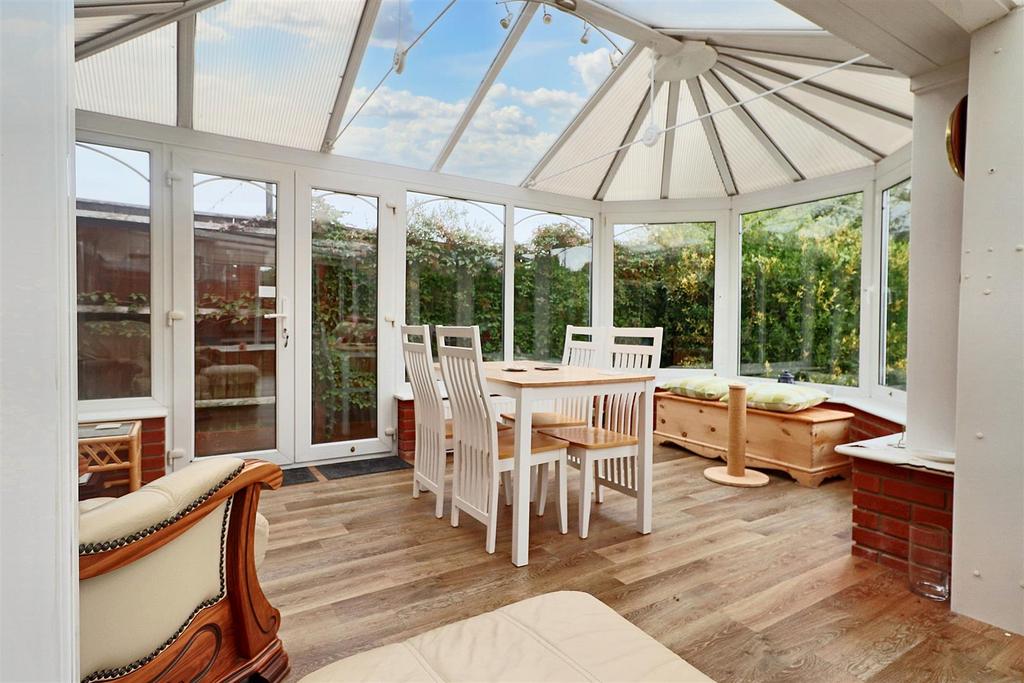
406 430
865 425
886 500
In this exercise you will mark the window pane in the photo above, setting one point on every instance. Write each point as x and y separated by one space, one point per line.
235 232
895 269
552 281
665 276
113 255
800 291
344 317
455 264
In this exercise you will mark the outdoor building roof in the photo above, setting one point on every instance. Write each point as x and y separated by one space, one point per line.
528 104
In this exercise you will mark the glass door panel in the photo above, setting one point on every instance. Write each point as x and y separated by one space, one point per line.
236 315
344 316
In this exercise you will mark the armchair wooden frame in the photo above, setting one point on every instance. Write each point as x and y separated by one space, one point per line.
236 637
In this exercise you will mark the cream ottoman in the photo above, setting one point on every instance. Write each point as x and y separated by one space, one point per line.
564 636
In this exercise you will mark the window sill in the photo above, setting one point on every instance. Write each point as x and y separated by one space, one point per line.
887 410
120 409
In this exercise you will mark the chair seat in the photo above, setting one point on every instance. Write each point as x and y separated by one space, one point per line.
449 430
540 443
548 420
591 438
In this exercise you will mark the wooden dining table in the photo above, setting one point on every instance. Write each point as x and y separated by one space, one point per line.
531 385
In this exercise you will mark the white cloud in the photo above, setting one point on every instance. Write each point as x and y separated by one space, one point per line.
329 22
593 67
394 21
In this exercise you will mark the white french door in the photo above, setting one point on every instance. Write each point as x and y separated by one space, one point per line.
342 395
233 275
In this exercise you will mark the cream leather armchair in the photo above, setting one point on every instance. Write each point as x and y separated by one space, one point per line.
168 587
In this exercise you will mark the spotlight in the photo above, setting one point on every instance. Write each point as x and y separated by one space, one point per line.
547 16
585 38
506 20
399 62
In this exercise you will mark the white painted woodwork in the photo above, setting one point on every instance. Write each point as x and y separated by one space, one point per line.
431 458
988 512
934 287
38 457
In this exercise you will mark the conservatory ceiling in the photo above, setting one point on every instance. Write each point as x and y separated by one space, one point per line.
553 96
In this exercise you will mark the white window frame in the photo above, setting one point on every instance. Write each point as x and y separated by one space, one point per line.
154 405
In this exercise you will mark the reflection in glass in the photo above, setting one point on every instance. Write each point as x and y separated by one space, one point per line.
553 259
344 316
235 232
896 271
113 257
454 266
800 291
665 276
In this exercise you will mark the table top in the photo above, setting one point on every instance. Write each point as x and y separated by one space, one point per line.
564 376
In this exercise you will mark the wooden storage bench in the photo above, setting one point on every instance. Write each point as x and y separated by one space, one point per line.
801 444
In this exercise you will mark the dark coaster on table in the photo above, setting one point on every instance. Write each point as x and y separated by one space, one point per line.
547 367
513 369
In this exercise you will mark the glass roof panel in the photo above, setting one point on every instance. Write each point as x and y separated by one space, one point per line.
711 14
269 71
694 173
545 82
639 176
411 115
136 79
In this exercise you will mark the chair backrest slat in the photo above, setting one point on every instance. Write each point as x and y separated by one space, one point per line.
474 420
628 348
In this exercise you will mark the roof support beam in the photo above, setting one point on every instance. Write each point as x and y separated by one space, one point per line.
136 28
186 54
511 40
348 79
711 132
670 137
590 105
121 9
616 22
770 146
804 115
823 91
876 69
629 137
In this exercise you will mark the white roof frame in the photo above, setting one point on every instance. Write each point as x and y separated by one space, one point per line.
348 79
711 132
148 23
671 119
620 24
864 67
629 137
186 56
504 52
770 146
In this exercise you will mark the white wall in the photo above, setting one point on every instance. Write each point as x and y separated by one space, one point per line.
936 217
988 513
38 555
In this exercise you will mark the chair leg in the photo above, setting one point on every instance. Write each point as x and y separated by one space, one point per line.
542 491
492 516
439 504
586 490
563 495
415 486
598 489
506 483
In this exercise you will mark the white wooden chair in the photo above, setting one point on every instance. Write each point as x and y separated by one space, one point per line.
481 454
605 453
584 348
430 455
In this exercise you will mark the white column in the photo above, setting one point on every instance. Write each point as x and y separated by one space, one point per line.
934 287
988 513
38 473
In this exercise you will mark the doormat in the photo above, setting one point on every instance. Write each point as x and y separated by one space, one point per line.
341 470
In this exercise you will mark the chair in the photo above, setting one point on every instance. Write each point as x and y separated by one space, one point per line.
481 454
606 453
431 458
167 579
582 353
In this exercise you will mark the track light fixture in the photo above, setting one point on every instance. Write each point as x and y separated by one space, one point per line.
585 38
547 16
506 20
399 61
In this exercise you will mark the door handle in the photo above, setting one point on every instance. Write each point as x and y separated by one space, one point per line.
282 315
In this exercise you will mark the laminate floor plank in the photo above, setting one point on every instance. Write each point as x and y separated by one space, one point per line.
746 584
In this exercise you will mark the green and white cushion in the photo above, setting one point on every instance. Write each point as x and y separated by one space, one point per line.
708 387
782 398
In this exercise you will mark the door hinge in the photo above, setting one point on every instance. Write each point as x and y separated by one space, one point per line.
172 455
170 177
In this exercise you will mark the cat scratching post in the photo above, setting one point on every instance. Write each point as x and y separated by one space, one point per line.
735 473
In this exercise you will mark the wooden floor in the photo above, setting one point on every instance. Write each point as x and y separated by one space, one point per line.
745 584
